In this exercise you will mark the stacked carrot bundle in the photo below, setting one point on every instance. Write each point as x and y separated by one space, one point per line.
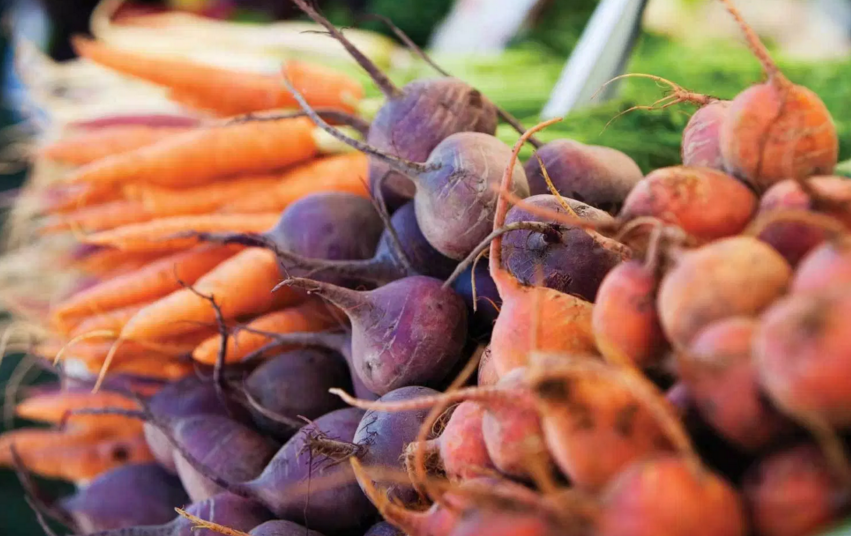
654 355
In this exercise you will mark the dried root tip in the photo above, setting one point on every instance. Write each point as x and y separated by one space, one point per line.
335 450
483 394
757 47
432 464
273 416
200 524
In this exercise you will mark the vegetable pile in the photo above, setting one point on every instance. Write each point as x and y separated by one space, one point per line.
277 320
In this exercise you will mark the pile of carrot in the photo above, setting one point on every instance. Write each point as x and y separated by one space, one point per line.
276 335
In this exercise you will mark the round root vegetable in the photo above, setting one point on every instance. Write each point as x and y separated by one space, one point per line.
487 374
104 504
721 379
736 276
571 260
413 120
223 509
666 495
793 493
328 226
282 528
295 384
411 331
387 264
776 130
383 529
599 176
459 450
826 267
482 305
803 355
701 145
624 319
705 203
229 449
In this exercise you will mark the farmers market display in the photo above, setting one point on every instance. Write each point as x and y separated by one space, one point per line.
277 314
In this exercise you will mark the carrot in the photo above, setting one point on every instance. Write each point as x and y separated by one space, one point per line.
201 199
241 285
159 234
149 282
312 315
35 439
225 91
113 320
52 407
170 369
99 217
86 147
342 173
95 351
114 261
60 198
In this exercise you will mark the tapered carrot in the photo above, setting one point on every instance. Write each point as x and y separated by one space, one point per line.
59 198
87 146
169 369
160 234
112 261
225 91
200 199
78 461
205 154
241 285
312 315
113 321
53 407
152 281
99 217
342 173
95 351
41 439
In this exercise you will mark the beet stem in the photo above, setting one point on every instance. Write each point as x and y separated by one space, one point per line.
381 80
343 298
331 114
199 524
34 498
395 243
336 341
756 45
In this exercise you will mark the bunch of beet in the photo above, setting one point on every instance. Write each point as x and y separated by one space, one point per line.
636 355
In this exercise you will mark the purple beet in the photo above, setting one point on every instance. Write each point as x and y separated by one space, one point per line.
326 226
487 298
229 449
569 259
386 265
599 176
282 528
701 145
414 119
408 332
295 384
223 509
383 529
124 497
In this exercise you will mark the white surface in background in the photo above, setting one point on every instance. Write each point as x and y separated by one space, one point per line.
480 26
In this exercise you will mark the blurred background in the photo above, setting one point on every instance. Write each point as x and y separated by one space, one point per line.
515 51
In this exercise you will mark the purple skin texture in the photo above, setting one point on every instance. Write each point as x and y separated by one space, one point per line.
383 529
125 497
572 261
295 384
223 509
384 436
343 509
184 398
599 176
408 332
488 300
701 145
229 449
412 125
282 528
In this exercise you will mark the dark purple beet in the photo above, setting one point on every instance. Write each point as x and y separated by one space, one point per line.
229 449
342 509
223 509
408 332
384 436
386 265
571 260
295 384
183 398
599 176
488 300
282 528
383 529
125 497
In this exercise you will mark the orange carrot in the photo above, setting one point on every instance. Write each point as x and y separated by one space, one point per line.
159 234
52 407
77 459
312 315
203 155
343 173
149 282
169 369
88 146
99 217
36 439
113 320
241 285
114 261
60 198
200 199
225 91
